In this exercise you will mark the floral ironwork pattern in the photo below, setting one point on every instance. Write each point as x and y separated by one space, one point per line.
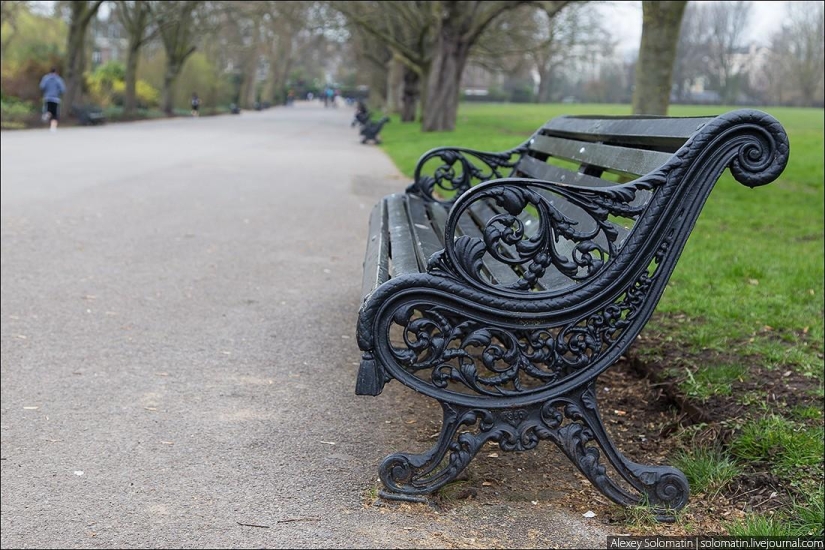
534 254
498 361
515 363
571 422
458 171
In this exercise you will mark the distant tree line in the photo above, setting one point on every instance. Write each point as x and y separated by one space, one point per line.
413 55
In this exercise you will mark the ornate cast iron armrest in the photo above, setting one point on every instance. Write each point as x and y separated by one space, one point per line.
751 143
579 247
461 168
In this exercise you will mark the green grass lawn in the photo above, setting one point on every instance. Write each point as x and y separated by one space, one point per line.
746 292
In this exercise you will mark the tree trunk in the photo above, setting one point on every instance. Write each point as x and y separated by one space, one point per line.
661 22
545 76
75 64
395 85
268 92
130 97
169 80
280 62
444 79
249 94
409 96
81 14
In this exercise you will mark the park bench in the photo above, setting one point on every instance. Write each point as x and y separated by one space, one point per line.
362 115
371 128
88 115
503 284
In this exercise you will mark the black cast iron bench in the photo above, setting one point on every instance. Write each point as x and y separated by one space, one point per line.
371 128
503 284
88 115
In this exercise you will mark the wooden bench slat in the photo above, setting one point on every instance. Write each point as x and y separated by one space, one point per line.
426 241
402 248
376 261
622 159
663 133
534 168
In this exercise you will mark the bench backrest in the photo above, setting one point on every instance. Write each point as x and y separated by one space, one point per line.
625 146
593 151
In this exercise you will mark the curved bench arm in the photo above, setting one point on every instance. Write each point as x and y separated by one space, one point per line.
589 243
460 170
751 143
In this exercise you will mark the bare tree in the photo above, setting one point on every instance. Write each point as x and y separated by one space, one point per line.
569 36
374 58
435 40
726 22
800 53
177 26
136 17
404 27
459 26
693 49
254 18
660 32
80 15
288 20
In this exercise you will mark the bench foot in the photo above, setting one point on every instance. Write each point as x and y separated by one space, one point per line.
570 421
664 488
421 474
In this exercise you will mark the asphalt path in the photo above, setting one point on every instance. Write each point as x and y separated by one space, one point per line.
179 300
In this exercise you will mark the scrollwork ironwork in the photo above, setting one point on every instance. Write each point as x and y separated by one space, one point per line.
458 171
516 364
499 361
571 422
505 238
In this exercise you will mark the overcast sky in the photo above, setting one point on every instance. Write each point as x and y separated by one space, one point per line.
625 17
626 22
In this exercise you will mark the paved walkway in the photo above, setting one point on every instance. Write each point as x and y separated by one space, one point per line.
178 357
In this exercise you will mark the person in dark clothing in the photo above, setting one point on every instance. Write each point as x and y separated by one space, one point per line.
196 103
53 88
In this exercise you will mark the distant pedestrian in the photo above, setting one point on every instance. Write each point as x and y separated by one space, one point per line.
53 89
196 103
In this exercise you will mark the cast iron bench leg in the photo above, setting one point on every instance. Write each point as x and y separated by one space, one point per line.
520 429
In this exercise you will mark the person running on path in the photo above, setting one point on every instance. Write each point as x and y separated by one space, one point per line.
196 103
53 88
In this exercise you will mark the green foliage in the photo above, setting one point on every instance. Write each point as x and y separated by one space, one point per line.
790 447
711 380
11 107
806 518
198 75
37 37
100 83
110 72
707 470
106 87
15 114
36 45
761 525
115 113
